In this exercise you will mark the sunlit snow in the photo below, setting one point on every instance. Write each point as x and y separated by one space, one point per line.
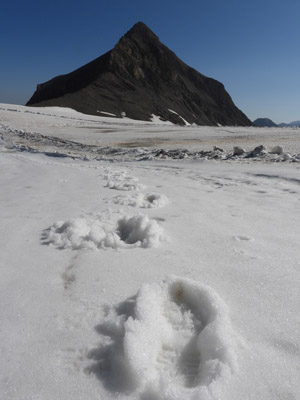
142 260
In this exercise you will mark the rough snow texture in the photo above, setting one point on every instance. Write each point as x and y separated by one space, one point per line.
174 342
124 186
120 180
83 233
141 200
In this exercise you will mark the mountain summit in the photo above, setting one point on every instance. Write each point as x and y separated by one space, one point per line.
139 77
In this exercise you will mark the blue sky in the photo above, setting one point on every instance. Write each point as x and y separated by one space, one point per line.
251 47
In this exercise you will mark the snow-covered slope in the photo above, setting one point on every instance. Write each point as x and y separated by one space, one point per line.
155 279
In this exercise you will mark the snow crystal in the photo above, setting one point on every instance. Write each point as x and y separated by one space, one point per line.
83 233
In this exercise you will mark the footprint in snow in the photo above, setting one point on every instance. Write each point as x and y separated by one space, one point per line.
69 275
124 186
243 238
119 180
141 200
172 341
96 233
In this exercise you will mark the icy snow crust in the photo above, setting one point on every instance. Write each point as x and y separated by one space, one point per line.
177 344
183 229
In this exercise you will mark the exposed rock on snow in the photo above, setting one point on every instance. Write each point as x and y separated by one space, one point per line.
84 233
219 149
172 341
258 151
238 151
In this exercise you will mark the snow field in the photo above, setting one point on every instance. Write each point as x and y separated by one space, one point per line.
175 341
234 227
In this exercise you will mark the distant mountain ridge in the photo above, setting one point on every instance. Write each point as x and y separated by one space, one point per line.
140 77
291 124
264 122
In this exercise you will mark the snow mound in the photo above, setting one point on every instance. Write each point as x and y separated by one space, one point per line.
84 233
149 200
172 341
277 150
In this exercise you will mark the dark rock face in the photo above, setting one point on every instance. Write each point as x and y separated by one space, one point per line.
262 122
140 77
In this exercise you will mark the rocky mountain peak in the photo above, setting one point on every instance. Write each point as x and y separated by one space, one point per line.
140 77
142 30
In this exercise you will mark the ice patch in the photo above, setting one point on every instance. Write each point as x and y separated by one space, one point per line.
84 233
148 200
174 342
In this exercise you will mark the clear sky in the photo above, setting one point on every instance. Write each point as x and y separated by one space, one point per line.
252 47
